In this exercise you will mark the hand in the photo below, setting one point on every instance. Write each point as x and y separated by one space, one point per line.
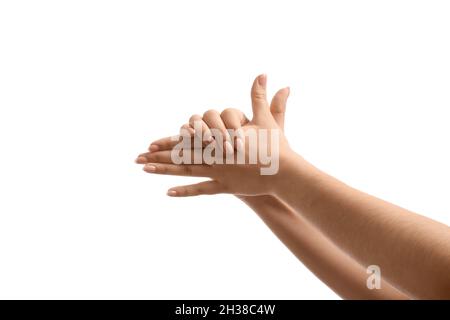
240 179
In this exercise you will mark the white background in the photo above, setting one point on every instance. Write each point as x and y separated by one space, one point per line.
86 85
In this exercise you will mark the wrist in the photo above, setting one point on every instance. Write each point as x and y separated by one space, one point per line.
293 174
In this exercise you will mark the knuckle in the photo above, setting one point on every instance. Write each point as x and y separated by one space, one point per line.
258 94
195 190
229 111
161 169
195 117
210 112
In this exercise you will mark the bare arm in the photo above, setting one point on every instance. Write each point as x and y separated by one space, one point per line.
412 251
329 263
335 268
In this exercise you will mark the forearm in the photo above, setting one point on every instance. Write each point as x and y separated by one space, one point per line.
330 264
412 251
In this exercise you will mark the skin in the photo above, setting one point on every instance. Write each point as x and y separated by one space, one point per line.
334 267
330 264
412 251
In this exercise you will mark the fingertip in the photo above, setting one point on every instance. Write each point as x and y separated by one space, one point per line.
141 160
283 92
153 147
262 80
258 96
172 193
259 84
149 168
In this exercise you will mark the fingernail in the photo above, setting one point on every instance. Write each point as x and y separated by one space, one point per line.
208 137
141 160
149 168
153 147
229 147
171 193
262 80
186 132
288 91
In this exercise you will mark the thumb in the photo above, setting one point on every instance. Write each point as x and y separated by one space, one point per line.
278 106
259 101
